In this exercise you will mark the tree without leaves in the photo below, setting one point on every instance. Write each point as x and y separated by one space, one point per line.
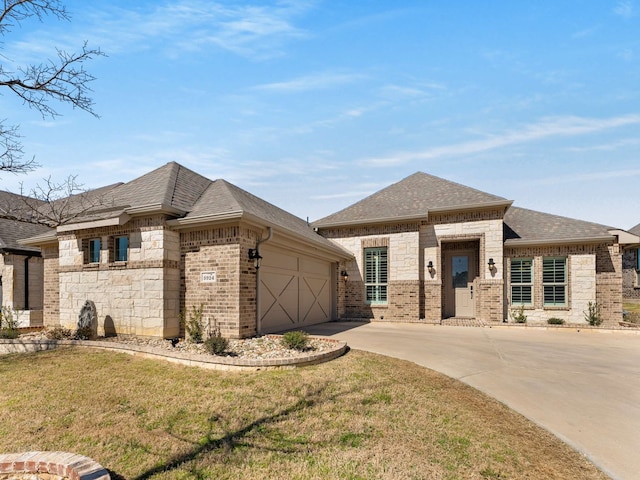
61 80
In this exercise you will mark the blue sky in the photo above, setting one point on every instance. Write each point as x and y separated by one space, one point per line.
313 105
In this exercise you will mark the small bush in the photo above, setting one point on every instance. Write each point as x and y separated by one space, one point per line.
84 333
8 323
59 333
194 326
296 340
215 343
518 315
593 315
555 321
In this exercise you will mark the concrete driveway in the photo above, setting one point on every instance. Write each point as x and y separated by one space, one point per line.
583 386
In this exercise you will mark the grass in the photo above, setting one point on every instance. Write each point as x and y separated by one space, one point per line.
363 416
634 311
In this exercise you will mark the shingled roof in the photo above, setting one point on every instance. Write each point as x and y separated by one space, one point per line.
522 226
11 231
635 230
194 199
413 197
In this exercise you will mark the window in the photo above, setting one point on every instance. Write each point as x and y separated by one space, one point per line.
375 275
554 281
521 281
121 249
94 250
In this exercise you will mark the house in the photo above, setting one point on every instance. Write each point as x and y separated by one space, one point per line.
421 250
171 241
427 249
631 270
21 267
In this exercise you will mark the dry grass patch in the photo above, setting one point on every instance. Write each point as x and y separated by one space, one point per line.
363 416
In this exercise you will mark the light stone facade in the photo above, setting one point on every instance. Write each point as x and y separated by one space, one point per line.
140 296
22 287
414 293
594 275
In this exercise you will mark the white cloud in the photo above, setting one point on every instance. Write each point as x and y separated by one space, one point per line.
310 82
175 27
549 127
624 9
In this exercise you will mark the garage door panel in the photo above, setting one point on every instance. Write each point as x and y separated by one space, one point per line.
294 291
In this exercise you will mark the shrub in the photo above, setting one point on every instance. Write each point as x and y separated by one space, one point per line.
592 315
216 344
84 333
194 327
8 323
555 321
58 333
296 340
518 315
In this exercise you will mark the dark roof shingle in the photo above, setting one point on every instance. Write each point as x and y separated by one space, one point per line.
412 197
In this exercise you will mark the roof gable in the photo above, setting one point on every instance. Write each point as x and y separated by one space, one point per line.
412 197
635 230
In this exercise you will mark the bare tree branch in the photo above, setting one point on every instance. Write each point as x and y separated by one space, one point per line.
63 80
53 204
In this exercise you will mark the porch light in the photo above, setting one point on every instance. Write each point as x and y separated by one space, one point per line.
255 256
430 266
492 264
345 275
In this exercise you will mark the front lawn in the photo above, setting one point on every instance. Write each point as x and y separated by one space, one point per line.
363 416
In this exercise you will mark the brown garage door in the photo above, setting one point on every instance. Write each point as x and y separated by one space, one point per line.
295 290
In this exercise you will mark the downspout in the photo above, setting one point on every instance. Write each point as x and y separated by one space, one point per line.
258 243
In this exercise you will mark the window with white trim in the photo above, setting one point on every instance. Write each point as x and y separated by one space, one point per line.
121 249
376 275
554 281
521 281
94 250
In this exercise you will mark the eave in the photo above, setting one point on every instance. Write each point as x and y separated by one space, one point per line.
417 217
523 242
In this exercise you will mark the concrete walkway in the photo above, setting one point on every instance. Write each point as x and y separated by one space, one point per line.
583 386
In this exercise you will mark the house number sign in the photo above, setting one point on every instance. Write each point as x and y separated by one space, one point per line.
207 277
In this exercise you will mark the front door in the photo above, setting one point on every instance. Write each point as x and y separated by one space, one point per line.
462 283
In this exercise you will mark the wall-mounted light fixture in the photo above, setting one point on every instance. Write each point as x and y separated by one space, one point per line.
492 264
430 266
255 256
345 275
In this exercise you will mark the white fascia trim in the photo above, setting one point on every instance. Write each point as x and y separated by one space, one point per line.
422 216
106 222
42 239
155 208
624 237
189 222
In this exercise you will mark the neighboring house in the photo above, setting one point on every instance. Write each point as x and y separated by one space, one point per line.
427 249
171 241
631 269
21 267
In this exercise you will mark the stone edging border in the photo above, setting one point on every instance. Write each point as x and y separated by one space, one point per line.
183 358
66 465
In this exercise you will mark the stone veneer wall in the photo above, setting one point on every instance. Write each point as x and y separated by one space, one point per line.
594 274
415 294
630 284
229 302
140 296
12 271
